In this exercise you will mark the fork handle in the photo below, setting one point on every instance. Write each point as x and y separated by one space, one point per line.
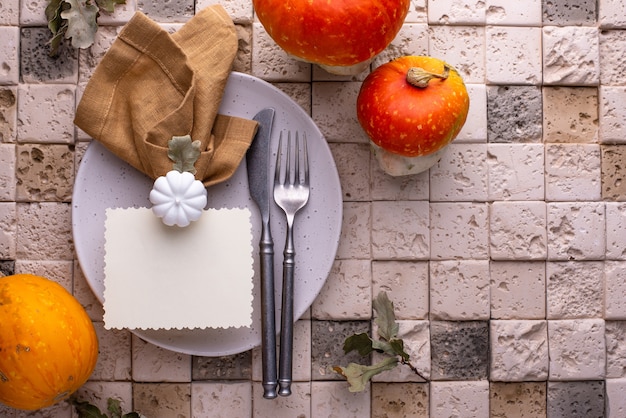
285 364
268 319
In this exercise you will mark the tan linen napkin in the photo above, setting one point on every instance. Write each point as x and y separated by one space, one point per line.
151 86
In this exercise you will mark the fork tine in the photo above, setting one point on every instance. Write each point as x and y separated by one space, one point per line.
305 160
279 155
296 163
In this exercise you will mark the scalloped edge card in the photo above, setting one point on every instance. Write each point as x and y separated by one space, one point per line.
163 277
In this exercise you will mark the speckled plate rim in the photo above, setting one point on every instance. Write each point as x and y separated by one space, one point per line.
104 181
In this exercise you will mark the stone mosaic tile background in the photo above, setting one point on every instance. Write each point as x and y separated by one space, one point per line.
506 261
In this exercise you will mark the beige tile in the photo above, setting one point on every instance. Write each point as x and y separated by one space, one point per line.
400 230
521 400
45 172
613 169
221 400
400 400
347 292
44 231
7 172
8 230
406 284
36 123
298 404
156 364
8 113
570 114
333 400
162 400
114 359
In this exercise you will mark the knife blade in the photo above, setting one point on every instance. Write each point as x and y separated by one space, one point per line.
258 162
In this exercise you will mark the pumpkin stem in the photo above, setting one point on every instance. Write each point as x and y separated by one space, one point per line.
419 77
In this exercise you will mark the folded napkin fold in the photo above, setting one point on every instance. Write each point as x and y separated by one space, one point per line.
151 86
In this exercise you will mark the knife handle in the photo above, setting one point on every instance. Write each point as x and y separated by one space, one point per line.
268 315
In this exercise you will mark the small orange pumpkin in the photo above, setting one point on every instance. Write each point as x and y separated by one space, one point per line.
48 345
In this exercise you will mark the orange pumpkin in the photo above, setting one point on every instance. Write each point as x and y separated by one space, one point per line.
48 345
342 36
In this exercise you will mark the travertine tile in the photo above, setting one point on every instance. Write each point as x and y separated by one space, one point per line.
243 58
612 13
299 404
162 400
451 43
353 166
7 172
399 400
459 290
298 92
327 338
615 289
576 399
615 349
417 12
32 13
156 364
564 159
44 231
406 285
514 114
83 293
576 231
7 268
271 63
508 63
333 400
334 111
221 399
98 393
574 289
174 12
613 177
612 57
615 400
615 227
416 339
612 114
8 113
517 231
459 231
505 13
233 367
354 241
10 54
400 230
563 12
10 13
57 271
239 10
38 66
114 359
571 56
570 114
516 172
475 127
386 187
461 174
459 351
518 289
36 123
411 40
8 231
347 292
456 12
521 400
519 351
577 350
45 172
448 399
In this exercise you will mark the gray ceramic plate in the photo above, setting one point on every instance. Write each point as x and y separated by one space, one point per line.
104 181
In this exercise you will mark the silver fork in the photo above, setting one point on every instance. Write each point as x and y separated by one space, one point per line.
291 193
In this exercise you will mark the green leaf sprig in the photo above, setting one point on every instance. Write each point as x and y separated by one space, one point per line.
184 152
388 344
86 410
76 20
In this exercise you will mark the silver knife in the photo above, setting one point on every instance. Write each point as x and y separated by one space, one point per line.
258 161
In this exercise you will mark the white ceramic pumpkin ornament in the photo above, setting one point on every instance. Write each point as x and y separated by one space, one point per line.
179 198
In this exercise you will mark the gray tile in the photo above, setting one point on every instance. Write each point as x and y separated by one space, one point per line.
568 12
514 114
459 350
576 399
327 338
235 367
36 64
7 267
167 12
